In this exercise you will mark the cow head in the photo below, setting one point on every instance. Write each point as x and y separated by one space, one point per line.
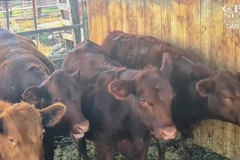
61 87
21 129
151 100
222 90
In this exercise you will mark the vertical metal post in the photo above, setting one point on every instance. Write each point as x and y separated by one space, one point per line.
85 20
74 18
7 14
35 21
34 14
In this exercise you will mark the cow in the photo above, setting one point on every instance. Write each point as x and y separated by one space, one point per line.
201 93
22 129
136 51
121 104
27 74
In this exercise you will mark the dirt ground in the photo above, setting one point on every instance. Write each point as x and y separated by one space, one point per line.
67 150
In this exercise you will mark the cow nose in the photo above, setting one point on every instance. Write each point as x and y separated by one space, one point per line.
84 126
165 133
79 130
169 133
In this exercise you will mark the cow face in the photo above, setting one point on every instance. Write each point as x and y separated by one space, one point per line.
152 97
60 87
21 129
222 90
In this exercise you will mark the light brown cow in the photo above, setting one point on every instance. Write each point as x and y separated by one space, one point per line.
21 129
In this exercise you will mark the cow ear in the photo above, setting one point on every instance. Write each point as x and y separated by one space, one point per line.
76 76
121 89
1 125
203 87
238 75
52 114
167 64
33 94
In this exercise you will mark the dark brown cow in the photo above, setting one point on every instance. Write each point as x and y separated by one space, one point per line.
200 92
21 129
26 72
136 51
121 104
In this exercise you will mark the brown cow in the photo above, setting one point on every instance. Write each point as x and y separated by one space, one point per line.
21 129
200 92
136 51
121 104
26 72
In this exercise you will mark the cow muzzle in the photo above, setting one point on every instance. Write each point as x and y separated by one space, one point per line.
80 129
165 133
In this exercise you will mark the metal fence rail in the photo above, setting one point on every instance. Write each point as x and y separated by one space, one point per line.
42 35
57 59
24 8
48 30
27 4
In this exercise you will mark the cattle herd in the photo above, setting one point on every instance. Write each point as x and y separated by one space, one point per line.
119 95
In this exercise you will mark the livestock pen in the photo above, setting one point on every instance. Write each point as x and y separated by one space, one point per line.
199 26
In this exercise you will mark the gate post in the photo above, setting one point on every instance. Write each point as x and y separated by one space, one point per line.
85 21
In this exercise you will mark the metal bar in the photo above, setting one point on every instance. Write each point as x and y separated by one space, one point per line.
34 14
69 44
40 31
85 19
27 8
35 20
7 15
74 5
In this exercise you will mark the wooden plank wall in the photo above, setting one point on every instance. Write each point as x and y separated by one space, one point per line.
195 25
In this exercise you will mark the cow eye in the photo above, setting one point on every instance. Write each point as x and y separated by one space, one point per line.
11 141
56 100
145 104
143 100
